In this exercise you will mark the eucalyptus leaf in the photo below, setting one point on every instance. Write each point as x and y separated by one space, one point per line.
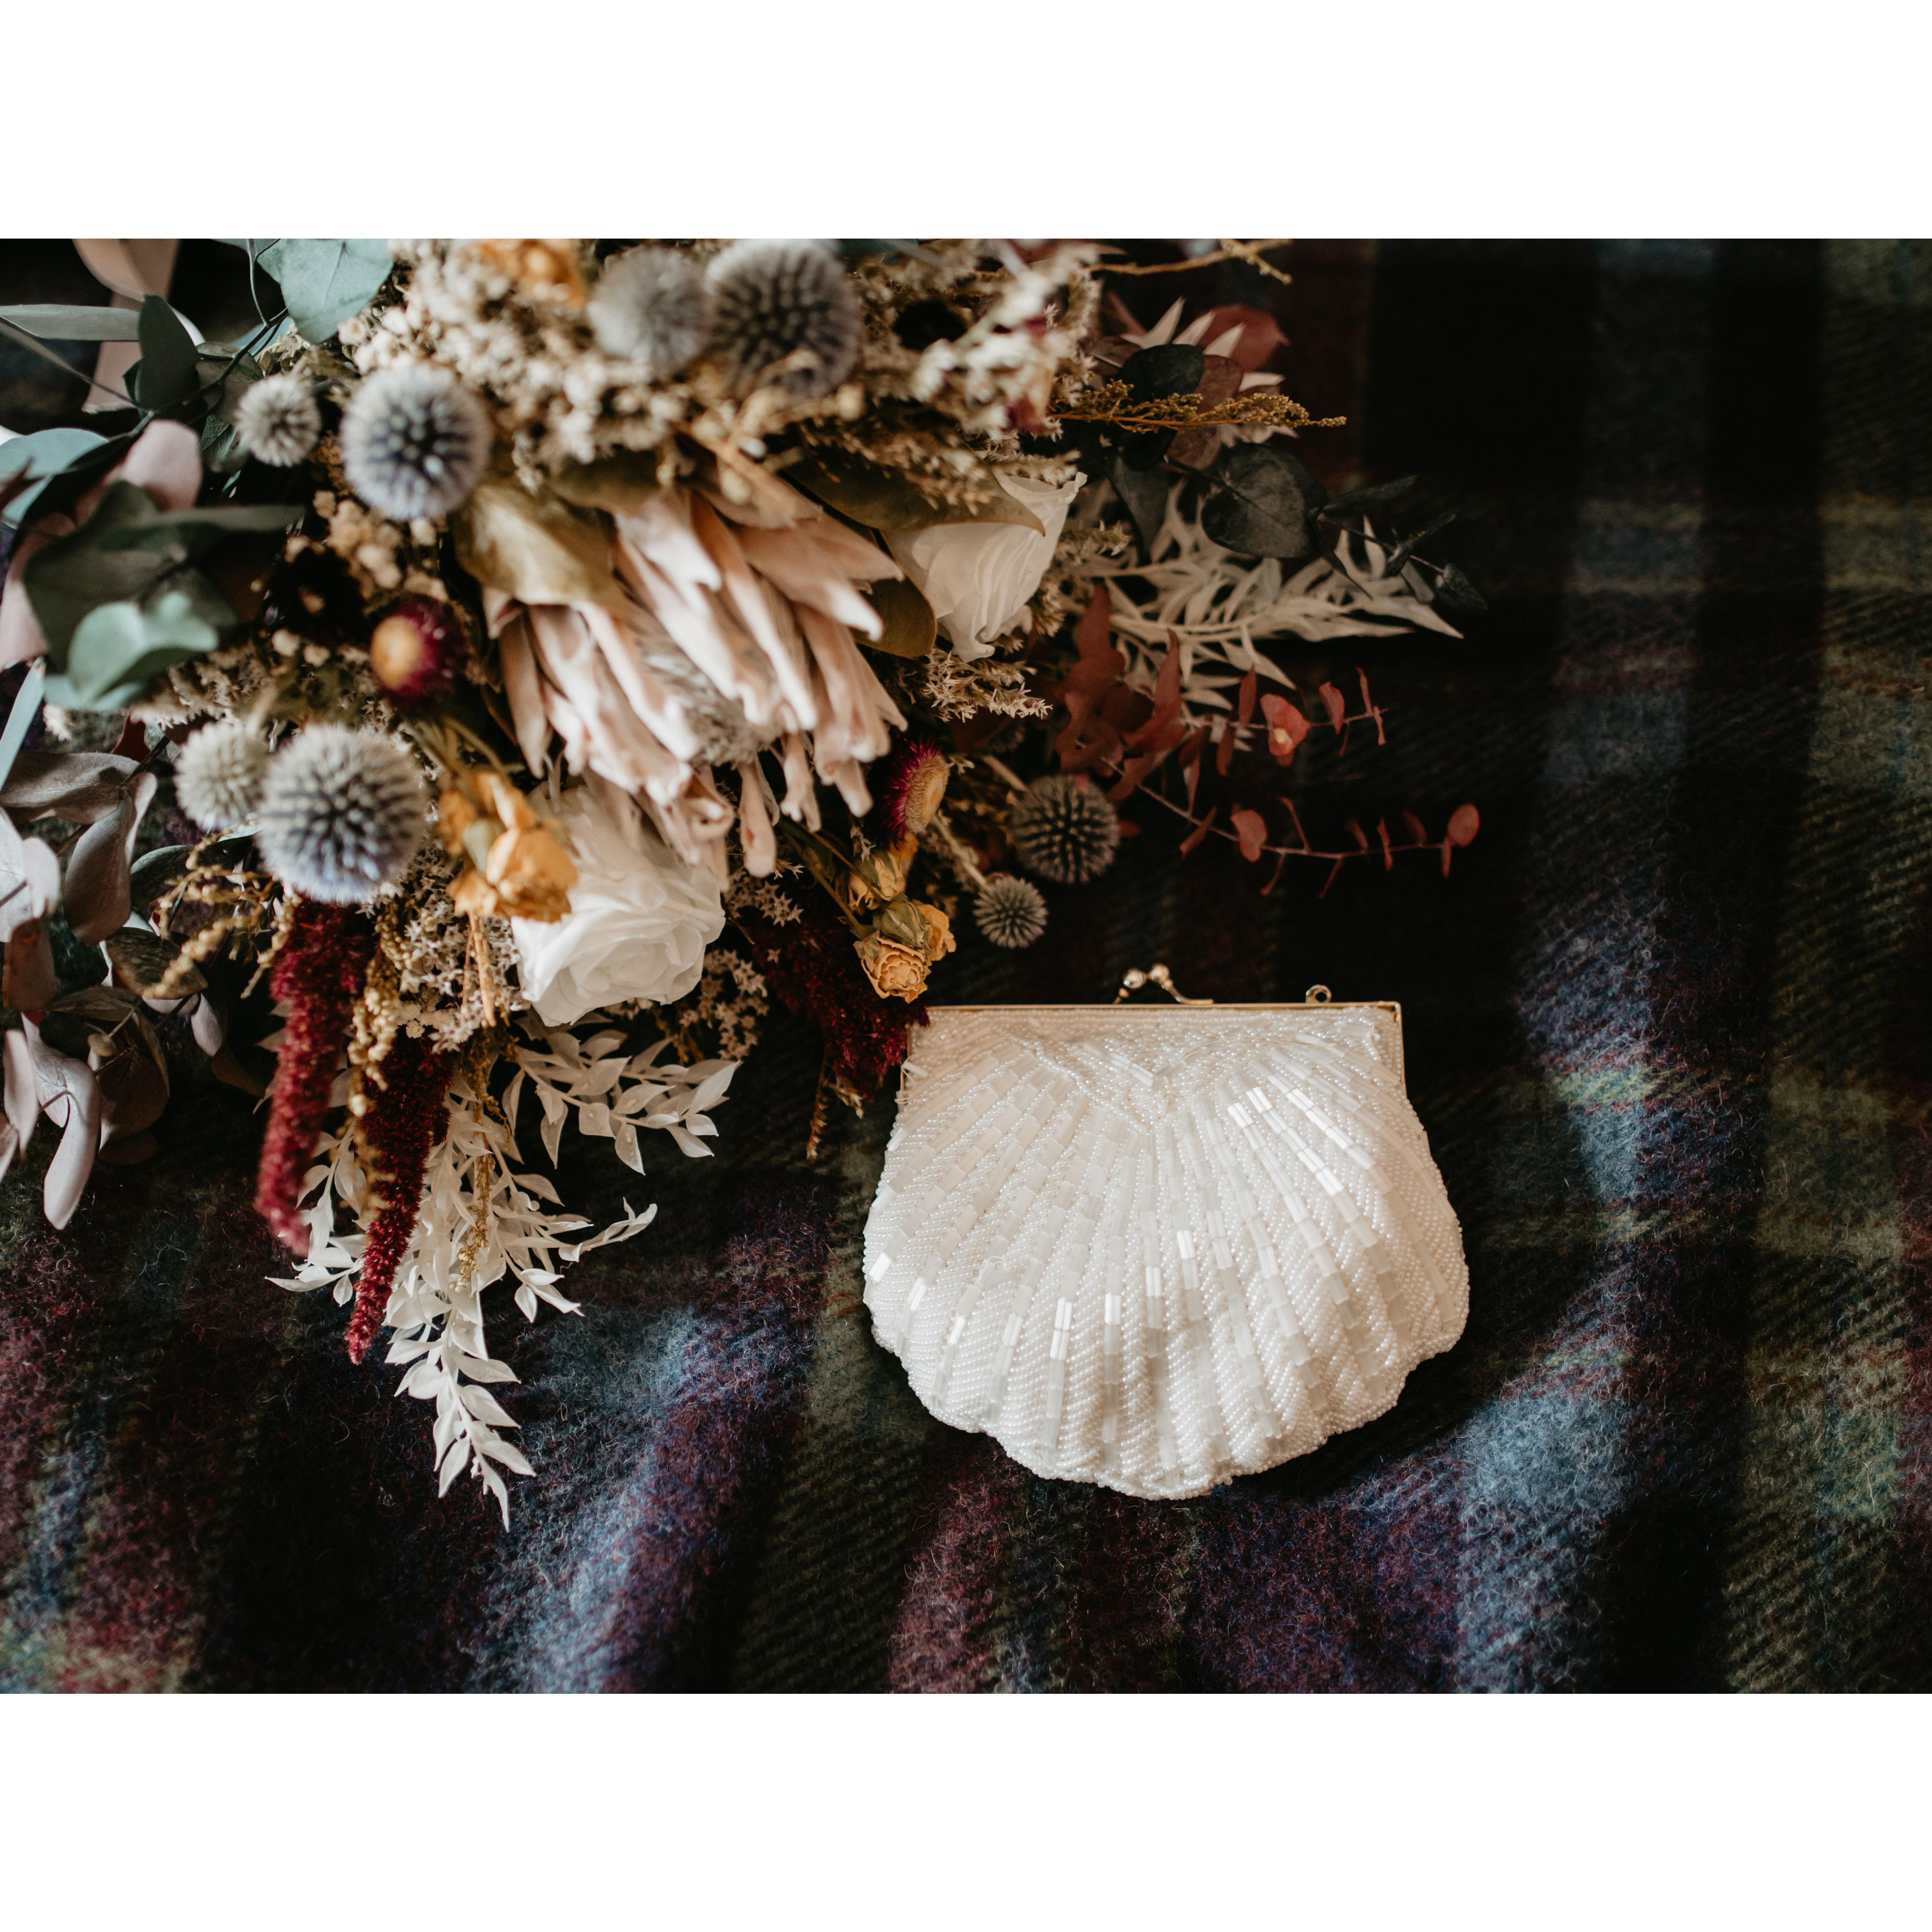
324 282
20 337
1264 504
539 549
125 552
77 786
45 452
118 649
39 458
156 873
95 893
1457 595
141 959
60 322
77 573
65 1032
911 627
62 491
26 707
1408 547
103 1007
165 375
1168 369
890 499
132 1078
1144 493
1372 496
200 527
221 450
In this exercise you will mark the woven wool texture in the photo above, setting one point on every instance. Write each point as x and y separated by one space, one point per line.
1665 1026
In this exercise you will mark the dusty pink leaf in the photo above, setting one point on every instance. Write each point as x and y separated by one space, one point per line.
29 980
1355 832
1465 822
1190 760
1388 855
1167 685
80 786
1338 705
1261 335
98 895
1417 830
1164 721
1131 773
1287 726
1200 832
1251 828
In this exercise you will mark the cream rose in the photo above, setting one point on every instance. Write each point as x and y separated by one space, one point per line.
640 918
980 577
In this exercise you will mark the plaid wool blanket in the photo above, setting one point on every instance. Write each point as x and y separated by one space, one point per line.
1665 1026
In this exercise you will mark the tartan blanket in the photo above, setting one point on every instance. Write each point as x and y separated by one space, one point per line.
1665 1025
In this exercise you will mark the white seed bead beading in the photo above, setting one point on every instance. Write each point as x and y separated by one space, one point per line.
1156 1249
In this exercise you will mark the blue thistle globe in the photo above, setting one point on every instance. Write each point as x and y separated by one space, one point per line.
414 442
1063 829
342 812
1010 912
650 305
769 300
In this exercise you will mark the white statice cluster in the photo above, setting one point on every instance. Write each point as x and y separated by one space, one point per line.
485 1218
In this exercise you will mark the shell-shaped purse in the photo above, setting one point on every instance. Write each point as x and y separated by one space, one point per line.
1155 1247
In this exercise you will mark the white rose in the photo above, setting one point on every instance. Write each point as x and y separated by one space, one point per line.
980 577
640 918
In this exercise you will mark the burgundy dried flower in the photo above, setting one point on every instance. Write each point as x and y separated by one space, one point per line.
398 1133
909 787
417 652
318 975
810 969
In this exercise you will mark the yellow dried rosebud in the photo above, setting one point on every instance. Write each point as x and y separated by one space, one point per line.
531 874
940 940
875 879
900 922
454 815
474 896
897 972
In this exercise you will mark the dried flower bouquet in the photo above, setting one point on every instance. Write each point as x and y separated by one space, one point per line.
513 617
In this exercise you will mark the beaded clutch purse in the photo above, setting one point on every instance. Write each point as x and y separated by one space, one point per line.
1155 1247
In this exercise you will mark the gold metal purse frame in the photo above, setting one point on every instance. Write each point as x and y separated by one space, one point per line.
1157 975
1135 978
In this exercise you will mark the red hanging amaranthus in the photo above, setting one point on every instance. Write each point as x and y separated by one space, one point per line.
403 1126
318 977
